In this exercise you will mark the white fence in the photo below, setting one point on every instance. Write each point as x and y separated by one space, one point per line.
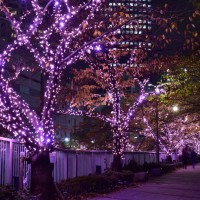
68 163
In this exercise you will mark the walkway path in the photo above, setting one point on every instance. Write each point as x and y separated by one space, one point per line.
184 184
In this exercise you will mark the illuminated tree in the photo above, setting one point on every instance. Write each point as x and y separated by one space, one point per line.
182 131
106 83
55 34
176 129
182 84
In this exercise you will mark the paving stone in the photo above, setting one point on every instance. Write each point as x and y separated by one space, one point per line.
183 184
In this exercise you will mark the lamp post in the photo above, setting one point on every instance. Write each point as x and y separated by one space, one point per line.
175 108
157 90
157 135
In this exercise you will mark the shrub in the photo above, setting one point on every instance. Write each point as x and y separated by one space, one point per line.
104 183
87 184
153 165
6 193
127 176
166 168
133 166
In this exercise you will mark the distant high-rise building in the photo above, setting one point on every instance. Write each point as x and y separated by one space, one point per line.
139 10
136 32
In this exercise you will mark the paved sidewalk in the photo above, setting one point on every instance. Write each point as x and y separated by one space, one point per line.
184 184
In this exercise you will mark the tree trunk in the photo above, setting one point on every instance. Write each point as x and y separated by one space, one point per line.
118 149
42 183
117 164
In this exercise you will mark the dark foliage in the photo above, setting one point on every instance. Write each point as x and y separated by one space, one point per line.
166 167
88 185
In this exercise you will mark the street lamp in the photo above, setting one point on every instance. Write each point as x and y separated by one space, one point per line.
67 142
175 108
67 139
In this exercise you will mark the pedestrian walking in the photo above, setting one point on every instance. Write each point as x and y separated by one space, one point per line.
185 156
193 158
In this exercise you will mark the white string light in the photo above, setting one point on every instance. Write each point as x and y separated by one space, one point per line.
16 115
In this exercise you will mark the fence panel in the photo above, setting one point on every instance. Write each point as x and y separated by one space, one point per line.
17 150
84 163
67 164
72 164
3 155
101 161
